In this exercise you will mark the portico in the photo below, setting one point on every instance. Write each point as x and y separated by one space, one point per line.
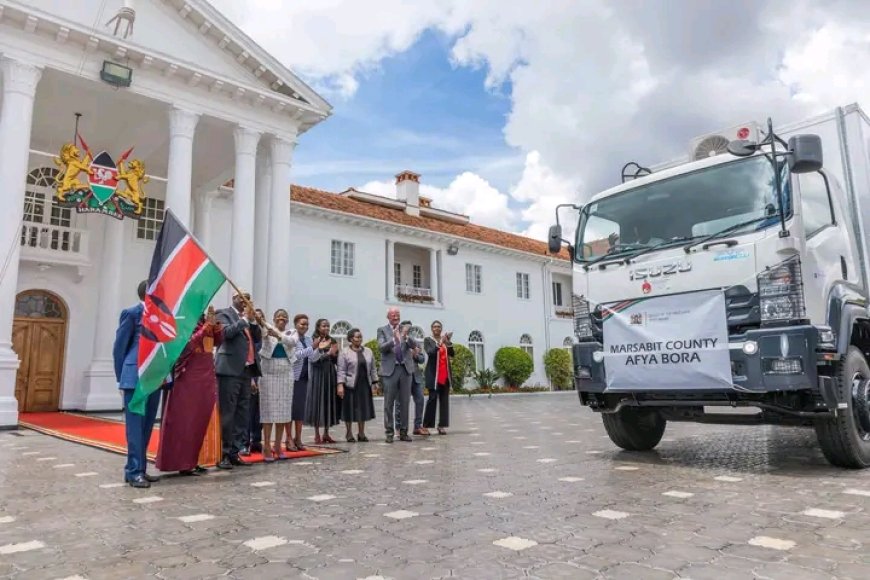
205 105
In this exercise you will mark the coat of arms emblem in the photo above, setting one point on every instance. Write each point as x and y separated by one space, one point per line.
100 193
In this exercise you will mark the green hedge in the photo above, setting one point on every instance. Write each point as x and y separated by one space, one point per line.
514 365
558 366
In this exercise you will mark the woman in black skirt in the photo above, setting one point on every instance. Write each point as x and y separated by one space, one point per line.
356 377
321 405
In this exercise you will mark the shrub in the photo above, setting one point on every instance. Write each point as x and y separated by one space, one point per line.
486 379
514 365
558 366
461 366
373 345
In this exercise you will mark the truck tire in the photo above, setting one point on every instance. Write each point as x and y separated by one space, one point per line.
635 429
845 439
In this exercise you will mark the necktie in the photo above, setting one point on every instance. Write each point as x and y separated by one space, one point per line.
250 360
400 356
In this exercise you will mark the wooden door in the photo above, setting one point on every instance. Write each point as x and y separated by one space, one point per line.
39 339
21 332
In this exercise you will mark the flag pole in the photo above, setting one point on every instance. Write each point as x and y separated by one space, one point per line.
214 263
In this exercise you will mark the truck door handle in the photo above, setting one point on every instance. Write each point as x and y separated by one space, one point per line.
727 243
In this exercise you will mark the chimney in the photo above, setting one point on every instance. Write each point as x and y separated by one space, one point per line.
408 190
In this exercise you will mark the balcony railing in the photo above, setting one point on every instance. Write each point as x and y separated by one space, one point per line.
563 312
54 244
408 293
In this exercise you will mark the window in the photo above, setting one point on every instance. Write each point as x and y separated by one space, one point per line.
473 278
40 208
568 343
342 258
339 332
397 273
39 304
557 294
417 333
526 346
522 286
816 206
148 226
475 345
418 276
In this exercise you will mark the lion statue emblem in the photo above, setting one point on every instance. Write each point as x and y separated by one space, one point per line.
67 180
134 176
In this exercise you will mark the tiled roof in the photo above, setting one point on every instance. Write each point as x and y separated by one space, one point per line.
346 204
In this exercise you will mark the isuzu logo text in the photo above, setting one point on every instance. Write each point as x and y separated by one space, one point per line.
659 271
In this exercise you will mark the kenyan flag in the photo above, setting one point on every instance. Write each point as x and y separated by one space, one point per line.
182 282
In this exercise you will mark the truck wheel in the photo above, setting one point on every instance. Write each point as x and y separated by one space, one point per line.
635 429
845 439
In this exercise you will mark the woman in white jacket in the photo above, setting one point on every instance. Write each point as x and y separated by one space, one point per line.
276 385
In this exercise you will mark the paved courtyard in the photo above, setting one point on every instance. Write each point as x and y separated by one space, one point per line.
523 487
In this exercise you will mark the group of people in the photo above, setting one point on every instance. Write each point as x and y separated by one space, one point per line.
269 380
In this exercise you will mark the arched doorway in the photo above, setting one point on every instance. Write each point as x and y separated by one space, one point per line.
39 340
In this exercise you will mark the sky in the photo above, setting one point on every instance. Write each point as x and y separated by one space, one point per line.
510 107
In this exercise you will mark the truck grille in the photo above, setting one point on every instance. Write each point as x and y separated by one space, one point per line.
741 308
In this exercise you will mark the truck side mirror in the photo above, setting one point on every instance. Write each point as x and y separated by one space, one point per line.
805 153
554 239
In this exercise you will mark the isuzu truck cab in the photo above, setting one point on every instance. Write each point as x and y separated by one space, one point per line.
731 287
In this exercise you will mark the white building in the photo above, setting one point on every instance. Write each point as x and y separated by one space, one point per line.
355 254
205 105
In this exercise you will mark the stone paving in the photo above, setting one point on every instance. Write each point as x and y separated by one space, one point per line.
523 487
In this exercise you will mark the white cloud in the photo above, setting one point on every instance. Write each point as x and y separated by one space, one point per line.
468 194
593 83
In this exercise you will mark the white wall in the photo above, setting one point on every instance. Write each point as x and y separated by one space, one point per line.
361 300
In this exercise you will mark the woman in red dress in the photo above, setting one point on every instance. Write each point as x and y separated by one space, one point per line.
191 401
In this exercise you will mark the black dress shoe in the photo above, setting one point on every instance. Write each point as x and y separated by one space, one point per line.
256 448
152 478
200 469
389 438
225 464
235 461
405 437
139 482
245 452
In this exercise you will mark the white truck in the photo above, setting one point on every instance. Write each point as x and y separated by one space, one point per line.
731 287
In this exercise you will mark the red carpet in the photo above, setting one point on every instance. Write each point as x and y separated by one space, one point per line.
108 434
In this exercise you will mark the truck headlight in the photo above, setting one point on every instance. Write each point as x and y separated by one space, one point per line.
582 318
781 293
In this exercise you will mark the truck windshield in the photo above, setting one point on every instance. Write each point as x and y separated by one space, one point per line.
683 207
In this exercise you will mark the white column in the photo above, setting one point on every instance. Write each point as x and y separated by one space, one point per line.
261 229
281 152
242 253
391 271
101 387
16 120
433 275
203 208
182 127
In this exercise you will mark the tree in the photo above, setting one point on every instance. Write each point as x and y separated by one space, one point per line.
514 365
558 366
485 379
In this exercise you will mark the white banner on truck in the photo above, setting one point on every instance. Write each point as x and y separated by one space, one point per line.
672 342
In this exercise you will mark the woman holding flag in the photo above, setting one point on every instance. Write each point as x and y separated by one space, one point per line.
191 400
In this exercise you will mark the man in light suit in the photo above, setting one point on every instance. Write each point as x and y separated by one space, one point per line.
126 354
236 365
416 390
397 369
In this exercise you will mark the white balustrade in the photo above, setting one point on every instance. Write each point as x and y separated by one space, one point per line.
54 244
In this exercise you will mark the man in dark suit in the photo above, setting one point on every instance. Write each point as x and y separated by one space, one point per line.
397 369
236 365
126 354
253 438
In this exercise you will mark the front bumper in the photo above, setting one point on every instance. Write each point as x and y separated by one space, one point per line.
760 372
